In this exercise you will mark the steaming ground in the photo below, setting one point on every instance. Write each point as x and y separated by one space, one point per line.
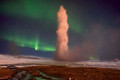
22 61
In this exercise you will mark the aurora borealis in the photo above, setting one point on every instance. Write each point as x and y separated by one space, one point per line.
94 26
44 12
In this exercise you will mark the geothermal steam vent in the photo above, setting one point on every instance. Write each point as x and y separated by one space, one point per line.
62 37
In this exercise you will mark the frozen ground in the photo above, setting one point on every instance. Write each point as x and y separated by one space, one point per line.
22 61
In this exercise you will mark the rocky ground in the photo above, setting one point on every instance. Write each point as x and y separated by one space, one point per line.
59 73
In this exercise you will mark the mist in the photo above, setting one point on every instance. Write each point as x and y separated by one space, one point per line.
98 42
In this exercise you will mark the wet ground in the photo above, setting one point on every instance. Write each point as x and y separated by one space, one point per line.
37 68
54 72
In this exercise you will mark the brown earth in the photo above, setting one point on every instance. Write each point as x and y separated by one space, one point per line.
5 73
64 73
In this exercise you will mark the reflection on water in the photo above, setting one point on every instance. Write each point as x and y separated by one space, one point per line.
53 78
25 75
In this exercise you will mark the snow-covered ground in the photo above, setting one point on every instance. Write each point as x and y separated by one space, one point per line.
99 64
34 60
7 59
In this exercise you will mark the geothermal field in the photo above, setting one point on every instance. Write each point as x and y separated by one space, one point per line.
37 68
91 53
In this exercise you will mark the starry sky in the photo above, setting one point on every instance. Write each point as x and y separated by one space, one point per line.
29 27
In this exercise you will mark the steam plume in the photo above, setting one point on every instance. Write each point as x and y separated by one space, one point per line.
62 37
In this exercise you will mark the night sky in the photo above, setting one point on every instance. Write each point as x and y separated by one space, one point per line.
29 27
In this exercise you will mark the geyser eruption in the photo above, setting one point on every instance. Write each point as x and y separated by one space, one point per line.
62 37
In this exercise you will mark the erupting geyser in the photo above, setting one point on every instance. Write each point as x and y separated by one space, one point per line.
62 37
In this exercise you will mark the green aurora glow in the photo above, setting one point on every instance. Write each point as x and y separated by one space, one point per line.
40 10
37 44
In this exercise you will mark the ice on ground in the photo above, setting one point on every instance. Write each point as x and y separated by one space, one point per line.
99 64
7 59
34 60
